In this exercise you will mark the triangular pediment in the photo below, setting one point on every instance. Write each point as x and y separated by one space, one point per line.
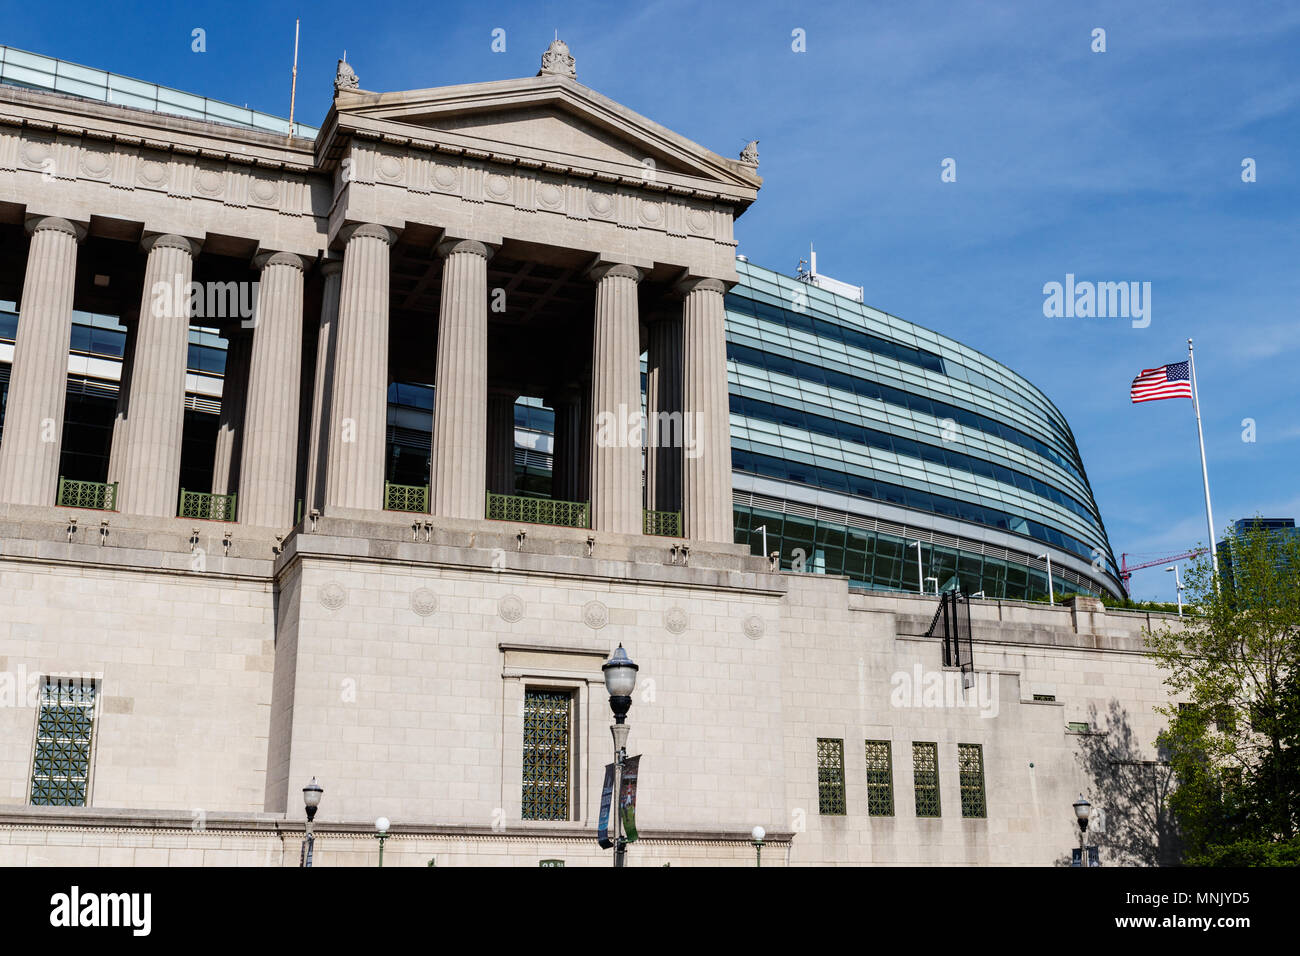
547 121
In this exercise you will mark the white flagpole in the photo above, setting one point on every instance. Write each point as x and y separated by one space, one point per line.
1205 474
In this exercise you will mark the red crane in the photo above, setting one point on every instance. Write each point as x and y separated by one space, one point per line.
1126 569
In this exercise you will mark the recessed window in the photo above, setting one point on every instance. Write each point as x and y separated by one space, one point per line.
64 733
548 721
925 778
830 776
970 772
1079 726
1045 697
880 779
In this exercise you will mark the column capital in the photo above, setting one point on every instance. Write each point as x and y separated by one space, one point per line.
171 241
37 224
685 287
367 230
264 259
450 246
331 267
617 270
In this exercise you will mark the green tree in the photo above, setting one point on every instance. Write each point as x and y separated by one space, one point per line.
1234 663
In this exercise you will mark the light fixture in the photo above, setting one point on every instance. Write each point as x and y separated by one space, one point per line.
620 681
311 795
1082 810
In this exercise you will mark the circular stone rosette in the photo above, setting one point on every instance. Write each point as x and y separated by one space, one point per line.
754 627
511 608
333 596
595 615
423 602
675 620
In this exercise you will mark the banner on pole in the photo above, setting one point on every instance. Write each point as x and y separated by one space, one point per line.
606 799
627 796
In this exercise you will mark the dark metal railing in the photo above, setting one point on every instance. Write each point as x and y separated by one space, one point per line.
206 506
406 498
565 514
664 523
98 495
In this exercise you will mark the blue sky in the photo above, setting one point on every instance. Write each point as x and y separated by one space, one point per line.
1117 166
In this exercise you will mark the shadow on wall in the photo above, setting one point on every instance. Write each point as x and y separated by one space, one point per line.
1134 825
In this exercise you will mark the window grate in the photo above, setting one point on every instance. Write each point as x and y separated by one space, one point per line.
546 755
64 727
925 778
880 779
830 776
970 773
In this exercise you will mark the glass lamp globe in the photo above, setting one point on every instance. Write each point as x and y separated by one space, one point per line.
620 674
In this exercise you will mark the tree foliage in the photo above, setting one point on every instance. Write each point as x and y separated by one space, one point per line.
1234 665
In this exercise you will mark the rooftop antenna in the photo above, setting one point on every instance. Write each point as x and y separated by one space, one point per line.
293 91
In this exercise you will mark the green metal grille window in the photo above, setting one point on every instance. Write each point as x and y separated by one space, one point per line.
61 768
830 776
413 498
208 507
880 779
86 494
970 773
552 511
546 754
665 523
925 778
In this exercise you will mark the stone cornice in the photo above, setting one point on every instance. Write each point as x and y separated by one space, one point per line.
182 821
73 116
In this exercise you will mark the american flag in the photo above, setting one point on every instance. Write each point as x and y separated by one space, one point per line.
1167 381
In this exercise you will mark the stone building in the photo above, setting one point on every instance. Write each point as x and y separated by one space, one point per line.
432 652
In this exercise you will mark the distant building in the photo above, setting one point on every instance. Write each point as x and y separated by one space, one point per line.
1281 528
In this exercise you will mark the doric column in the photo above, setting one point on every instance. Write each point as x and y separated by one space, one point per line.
38 384
117 448
616 402
501 442
151 466
358 418
706 418
270 433
458 462
664 435
567 442
230 425
326 341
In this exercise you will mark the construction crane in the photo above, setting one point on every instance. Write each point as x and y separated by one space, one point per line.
1126 569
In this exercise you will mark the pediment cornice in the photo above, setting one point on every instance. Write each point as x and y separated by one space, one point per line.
604 140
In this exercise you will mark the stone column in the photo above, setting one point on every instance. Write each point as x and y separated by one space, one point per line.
706 418
230 425
616 402
151 463
664 432
117 449
38 384
358 418
501 442
566 447
270 435
458 461
326 342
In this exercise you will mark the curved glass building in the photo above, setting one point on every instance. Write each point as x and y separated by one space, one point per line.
859 439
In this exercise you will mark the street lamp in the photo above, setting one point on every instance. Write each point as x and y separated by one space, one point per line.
620 681
311 795
1082 811
381 834
1051 595
1178 586
757 834
920 575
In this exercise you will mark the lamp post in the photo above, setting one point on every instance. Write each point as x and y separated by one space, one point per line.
1082 812
381 834
1051 594
1178 586
920 575
757 834
311 795
620 681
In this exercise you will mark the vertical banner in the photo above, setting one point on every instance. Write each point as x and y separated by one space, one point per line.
627 796
606 798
